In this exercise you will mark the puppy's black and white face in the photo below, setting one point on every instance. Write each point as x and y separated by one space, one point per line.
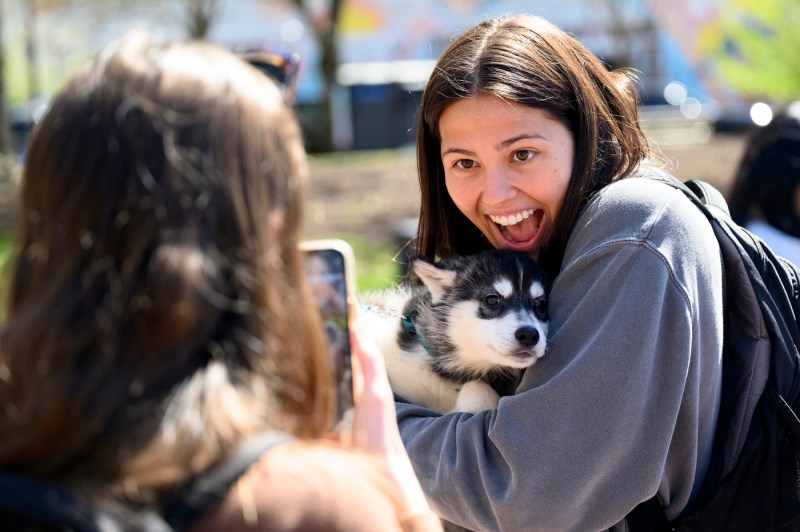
488 310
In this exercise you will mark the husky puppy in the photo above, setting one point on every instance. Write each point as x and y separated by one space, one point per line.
472 320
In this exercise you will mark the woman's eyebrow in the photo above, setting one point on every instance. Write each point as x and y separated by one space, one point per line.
460 151
504 144
512 140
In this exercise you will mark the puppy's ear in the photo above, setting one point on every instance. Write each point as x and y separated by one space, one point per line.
437 280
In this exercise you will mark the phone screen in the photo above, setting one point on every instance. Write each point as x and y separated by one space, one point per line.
329 269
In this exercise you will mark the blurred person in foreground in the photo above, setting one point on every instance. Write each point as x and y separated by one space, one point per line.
159 319
765 195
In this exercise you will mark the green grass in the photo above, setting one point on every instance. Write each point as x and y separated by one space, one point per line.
376 264
5 246
6 242
358 159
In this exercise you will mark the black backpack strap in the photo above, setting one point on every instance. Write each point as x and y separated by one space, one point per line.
26 500
212 486
708 194
702 194
648 516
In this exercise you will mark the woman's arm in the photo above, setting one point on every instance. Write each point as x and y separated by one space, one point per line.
375 430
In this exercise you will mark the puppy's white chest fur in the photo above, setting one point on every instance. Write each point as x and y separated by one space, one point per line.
411 376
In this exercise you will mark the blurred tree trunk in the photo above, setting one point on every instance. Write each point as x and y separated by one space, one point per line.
200 15
325 28
6 145
621 34
31 15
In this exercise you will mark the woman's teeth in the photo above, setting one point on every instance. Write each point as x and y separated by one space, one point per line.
511 219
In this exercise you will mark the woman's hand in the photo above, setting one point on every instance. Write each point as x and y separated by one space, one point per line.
374 426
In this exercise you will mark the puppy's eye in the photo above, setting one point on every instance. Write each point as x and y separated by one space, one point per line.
540 304
493 300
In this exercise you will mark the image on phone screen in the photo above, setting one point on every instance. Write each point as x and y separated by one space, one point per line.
327 277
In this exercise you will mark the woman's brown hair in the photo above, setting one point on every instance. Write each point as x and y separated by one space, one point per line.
158 312
526 59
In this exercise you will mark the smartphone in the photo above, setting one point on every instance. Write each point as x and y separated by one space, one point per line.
330 271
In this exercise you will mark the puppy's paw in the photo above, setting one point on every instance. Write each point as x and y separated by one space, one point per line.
476 396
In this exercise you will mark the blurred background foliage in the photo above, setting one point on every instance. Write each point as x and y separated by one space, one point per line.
756 46
365 61
703 65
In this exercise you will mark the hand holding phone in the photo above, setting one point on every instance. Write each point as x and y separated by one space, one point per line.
330 270
331 276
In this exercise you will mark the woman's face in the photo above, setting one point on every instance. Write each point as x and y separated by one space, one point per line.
507 167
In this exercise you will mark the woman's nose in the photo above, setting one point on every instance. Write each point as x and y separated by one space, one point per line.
498 185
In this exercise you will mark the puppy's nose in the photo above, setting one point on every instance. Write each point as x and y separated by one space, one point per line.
527 336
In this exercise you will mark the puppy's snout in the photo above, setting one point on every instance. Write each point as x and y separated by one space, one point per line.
527 336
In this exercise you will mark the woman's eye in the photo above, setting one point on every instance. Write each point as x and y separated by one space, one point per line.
464 164
492 300
523 155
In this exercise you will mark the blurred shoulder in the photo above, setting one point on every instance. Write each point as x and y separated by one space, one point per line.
308 487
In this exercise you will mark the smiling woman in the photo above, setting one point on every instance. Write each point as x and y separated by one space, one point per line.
527 141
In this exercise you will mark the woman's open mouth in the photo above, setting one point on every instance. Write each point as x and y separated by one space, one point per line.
520 229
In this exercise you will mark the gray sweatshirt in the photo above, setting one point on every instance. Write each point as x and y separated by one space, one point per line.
624 403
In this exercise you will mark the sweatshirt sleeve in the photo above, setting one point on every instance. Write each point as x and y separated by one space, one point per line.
609 417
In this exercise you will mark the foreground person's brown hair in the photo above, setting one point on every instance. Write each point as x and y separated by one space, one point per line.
156 305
